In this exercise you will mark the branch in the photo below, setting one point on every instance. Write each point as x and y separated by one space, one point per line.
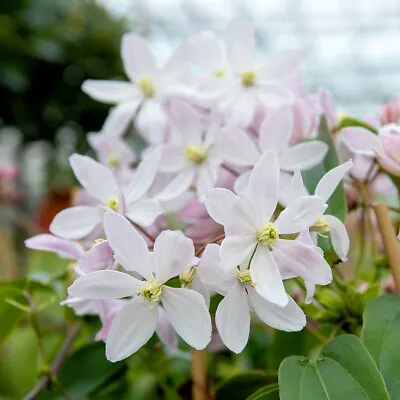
62 354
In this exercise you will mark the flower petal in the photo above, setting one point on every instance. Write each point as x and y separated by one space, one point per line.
177 186
280 66
165 330
329 182
131 328
110 92
232 319
104 285
187 311
173 254
236 249
290 318
301 214
207 176
99 257
129 247
265 273
76 222
303 155
297 188
144 212
172 158
242 182
339 236
220 203
151 121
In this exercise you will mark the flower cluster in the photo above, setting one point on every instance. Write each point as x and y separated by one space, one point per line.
227 143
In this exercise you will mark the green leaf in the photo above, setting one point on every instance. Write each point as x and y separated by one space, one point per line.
268 392
348 122
345 370
241 386
380 335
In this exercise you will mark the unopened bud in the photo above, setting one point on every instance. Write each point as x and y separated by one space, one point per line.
187 276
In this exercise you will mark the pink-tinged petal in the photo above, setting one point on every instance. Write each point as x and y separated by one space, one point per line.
82 306
187 311
280 66
144 176
290 318
97 179
76 222
263 188
179 185
388 164
302 260
297 188
175 67
236 147
132 328
310 291
236 249
151 121
301 214
275 96
276 130
325 100
173 158
233 319
144 212
188 121
136 57
240 107
239 44
119 117
360 141
166 331
207 176
391 149
339 236
99 257
330 181
242 182
129 247
63 247
267 278
110 92
303 155
173 254
104 285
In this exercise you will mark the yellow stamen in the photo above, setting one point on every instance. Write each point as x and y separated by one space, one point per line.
248 78
113 203
151 290
321 226
245 278
268 234
219 73
196 154
113 161
145 84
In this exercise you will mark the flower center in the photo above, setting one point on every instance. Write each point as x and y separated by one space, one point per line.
187 276
248 78
196 154
321 226
113 161
219 73
113 203
145 84
245 278
151 290
268 234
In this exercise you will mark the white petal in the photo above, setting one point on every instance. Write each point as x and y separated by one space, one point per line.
232 319
172 158
285 179
301 214
310 291
97 258
290 318
239 42
76 222
207 51
198 286
173 254
144 212
240 107
360 141
119 117
265 274
110 92
242 182
236 249
143 177
104 285
151 121
220 203
280 65
187 311
136 57
274 96
131 328
276 130
303 155
207 176
263 188
302 260
179 185
97 179
329 182
297 188
129 247
339 236
165 330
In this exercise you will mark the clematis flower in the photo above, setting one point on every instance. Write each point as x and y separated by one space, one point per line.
148 90
191 156
136 322
240 85
98 180
275 135
250 233
327 223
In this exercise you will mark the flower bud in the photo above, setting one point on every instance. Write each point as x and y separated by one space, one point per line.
331 301
187 276
389 157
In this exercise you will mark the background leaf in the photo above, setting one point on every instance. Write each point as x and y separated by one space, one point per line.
269 392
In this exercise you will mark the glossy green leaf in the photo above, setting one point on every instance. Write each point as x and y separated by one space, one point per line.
349 122
268 392
381 335
345 370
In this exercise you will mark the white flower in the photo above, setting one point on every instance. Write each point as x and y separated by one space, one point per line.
77 222
192 154
250 234
149 89
274 136
136 322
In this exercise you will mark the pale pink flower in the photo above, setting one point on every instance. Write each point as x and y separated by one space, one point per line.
390 113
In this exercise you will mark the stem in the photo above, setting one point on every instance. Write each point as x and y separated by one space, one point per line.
143 231
201 249
315 333
390 243
62 354
199 388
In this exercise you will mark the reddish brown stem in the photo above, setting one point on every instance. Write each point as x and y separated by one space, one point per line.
201 249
